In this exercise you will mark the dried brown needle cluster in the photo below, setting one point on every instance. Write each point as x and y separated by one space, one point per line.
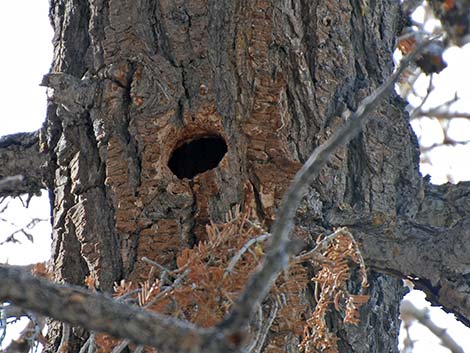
210 276
341 258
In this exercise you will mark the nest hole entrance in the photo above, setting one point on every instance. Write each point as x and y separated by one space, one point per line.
197 156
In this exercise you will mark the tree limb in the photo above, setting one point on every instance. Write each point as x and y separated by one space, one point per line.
409 312
434 253
13 311
20 157
77 306
278 253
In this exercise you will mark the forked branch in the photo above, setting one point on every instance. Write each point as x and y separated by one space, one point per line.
278 253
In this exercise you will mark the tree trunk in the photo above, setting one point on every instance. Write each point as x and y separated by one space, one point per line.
195 102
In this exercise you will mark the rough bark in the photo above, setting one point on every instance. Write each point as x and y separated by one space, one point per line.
267 77
432 250
20 156
134 81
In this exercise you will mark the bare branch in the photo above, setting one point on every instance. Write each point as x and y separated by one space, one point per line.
433 250
10 181
243 249
64 342
88 346
409 312
277 256
439 114
322 246
121 346
442 111
23 230
29 338
168 289
447 142
163 270
13 311
423 101
97 312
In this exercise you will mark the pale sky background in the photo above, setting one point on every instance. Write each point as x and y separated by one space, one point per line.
25 42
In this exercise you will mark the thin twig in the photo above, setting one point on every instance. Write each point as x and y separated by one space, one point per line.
408 312
126 296
85 346
12 239
4 207
155 264
263 333
91 344
168 289
322 245
243 249
10 181
121 346
139 349
423 101
277 256
448 142
432 113
3 324
124 343
64 341
258 325
442 110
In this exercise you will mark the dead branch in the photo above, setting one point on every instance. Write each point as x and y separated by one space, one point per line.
64 342
13 312
21 230
423 101
245 248
433 250
29 337
10 181
89 345
447 142
264 329
97 312
409 312
277 256
439 114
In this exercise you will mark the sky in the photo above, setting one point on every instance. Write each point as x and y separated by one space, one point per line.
27 54
446 163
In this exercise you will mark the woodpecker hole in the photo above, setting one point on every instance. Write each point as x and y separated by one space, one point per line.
197 156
